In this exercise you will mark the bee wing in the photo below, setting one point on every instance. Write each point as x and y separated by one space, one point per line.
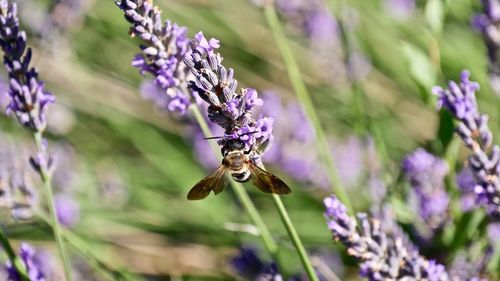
267 182
215 181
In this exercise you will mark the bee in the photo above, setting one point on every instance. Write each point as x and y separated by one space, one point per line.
239 164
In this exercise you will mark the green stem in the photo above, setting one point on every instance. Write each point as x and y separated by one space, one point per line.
96 262
306 101
240 191
14 259
46 179
297 243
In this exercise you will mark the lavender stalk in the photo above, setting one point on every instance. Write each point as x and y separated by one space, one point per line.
163 49
29 101
459 99
216 85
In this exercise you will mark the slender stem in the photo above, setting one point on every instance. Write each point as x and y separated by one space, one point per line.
14 259
46 179
305 99
297 243
242 194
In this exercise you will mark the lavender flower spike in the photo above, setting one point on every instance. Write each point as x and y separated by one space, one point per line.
29 99
164 47
459 100
383 256
216 85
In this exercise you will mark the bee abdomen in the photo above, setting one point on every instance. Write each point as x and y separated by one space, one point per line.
241 177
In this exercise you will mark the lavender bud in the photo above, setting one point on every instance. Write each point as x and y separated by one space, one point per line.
28 98
459 100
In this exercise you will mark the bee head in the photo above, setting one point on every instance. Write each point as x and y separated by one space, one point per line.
232 145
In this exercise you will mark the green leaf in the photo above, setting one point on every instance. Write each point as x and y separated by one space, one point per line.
420 67
434 15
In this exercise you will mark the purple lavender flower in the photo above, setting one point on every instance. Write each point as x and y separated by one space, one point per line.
67 209
465 267
4 95
33 266
248 265
230 110
426 174
383 256
29 99
165 45
459 100
466 183
487 24
18 193
493 230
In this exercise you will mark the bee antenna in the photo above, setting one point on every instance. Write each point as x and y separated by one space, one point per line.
220 137
249 133
213 138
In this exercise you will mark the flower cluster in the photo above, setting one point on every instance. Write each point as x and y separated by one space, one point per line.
426 174
383 256
164 47
248 265
487 24
18 192
34 266
29 99
460 101
231 110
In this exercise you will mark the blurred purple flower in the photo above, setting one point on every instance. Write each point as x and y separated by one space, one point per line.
321 27
460 101
383 256
493 230
18 191
350 160
487 24
67 209
466 183
4 95
426 174
465 267
248 265
33 266
28 98
400 9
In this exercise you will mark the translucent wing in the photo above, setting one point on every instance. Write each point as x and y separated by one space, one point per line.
215 181
267 182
